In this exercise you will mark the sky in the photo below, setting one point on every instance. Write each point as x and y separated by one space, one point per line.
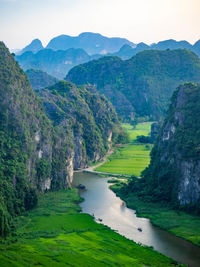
147 21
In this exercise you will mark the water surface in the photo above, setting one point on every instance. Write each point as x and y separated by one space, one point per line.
104 205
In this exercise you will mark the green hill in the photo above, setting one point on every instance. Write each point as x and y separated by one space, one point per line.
142 84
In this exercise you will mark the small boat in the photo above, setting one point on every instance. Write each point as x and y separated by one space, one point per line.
139 229
81 186
100 220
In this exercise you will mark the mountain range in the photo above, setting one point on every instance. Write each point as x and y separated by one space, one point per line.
142 84
64 52
126 51
92 43
56 63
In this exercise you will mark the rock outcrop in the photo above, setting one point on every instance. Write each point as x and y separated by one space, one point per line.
174 171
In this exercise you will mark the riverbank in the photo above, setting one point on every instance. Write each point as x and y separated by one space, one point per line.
57 234
176 222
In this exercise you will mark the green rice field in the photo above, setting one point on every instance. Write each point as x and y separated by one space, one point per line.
130 159
57 234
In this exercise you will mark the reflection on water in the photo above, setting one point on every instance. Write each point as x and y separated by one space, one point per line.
103 204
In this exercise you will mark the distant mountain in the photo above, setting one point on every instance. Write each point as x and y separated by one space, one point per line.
40 79
196 48
34 47
144 83
55 63
92 43
127 51
171 44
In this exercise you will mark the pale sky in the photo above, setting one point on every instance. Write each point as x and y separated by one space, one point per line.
148 21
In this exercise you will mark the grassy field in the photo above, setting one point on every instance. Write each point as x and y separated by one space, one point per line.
176 222
56 234
130 159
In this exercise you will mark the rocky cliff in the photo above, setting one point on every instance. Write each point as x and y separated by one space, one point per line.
90 117
43 138
174 171
31 148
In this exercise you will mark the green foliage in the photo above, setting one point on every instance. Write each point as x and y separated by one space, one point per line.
142 84
43 169
90 116
56 234
161 214
40 79
177 144
21 116
144 139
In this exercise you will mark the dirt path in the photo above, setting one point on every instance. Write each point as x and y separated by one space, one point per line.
91 168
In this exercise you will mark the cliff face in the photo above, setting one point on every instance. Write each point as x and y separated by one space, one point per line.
89 116
44 138
174 170
142 84
33 153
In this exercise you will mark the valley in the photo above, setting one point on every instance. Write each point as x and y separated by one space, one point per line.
57 234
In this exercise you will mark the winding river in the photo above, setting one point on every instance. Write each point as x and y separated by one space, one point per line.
110 210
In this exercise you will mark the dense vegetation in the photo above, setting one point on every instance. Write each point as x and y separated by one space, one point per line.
144 83
173 174
161 214
57 234
56 63
21 116
40 79
38 153
92 119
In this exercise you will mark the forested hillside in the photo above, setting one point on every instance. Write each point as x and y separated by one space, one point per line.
40 153
143 84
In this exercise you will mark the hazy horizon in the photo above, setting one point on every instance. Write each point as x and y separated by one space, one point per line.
148 21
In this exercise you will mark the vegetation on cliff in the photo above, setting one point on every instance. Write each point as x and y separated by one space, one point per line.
173 174
91 117
21 117
39 153
142 84
40 79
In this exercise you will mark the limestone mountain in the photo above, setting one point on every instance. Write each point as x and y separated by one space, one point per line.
40 79
29 150
55 63
127 51
174 171
40 153
142 84
34 46
92 43
91 117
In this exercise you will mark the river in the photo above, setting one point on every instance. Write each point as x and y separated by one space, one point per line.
110 210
